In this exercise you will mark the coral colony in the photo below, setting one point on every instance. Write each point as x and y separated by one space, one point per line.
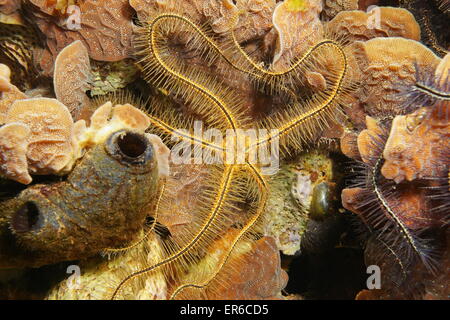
222 149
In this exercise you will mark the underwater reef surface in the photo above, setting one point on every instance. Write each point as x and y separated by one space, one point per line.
217 149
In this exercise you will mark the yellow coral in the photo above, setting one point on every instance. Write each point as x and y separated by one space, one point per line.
297 5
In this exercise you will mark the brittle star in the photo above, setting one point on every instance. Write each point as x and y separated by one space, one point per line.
210 98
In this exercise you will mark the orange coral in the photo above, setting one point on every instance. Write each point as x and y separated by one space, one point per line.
8 92
71 77
13 149
219 13
397 215
365 148
54 142
383 64
257 275
332 7
362 26
132 117
410 203
101 116
253 271
185 183
254 22
294 38
109 118
51 140
413 147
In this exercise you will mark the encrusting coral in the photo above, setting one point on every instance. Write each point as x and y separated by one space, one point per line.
13 147
252 262
385 22
294 39
395 215
332 7
51 140
254 22
9 92
408 182
384 63
71 77
408 159
105 28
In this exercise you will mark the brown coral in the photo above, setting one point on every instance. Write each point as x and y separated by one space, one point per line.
397 215
410 203
185 183
362 26
9 6
54 142
418 140
256 20
332 7
348 144
105 30
252 272
71 77
412 150
9 12
365 148
255 16
259 275
384 63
